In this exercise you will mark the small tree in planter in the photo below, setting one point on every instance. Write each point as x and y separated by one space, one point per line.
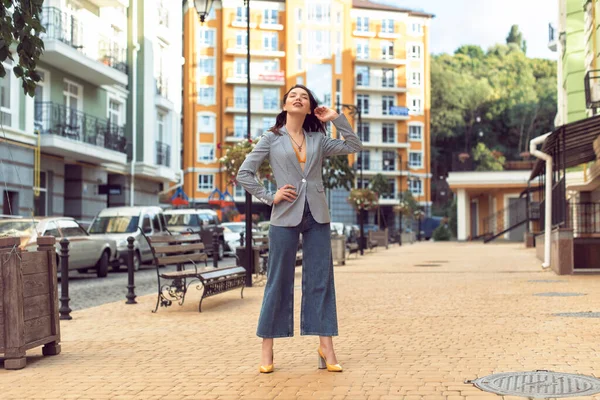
380 186
235 156
363 199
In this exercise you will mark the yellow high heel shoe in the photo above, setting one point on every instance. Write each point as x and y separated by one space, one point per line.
323 363
267 369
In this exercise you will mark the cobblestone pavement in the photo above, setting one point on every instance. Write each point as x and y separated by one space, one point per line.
415 323
87 290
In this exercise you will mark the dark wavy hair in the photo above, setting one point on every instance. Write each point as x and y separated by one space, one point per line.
311 122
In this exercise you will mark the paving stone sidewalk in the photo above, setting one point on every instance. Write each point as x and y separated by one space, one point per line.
415 322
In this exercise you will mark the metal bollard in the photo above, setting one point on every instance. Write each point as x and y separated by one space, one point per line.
242 241
215 251
130 282
65 311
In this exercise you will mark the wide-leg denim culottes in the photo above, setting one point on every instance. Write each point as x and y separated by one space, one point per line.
318 315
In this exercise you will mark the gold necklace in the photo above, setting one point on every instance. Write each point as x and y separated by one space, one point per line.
298 145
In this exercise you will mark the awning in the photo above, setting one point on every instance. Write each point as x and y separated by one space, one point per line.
570 145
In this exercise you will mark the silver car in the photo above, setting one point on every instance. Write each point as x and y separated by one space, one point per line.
85 251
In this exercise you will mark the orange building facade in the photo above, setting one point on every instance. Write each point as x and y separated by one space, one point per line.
359 53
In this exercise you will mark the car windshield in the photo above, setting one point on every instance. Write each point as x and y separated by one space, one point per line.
182 220
236 228
116 224
16 228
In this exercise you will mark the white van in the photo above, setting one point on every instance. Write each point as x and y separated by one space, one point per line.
119 223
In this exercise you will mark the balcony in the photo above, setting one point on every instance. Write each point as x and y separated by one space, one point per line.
257 105
552 42
262 78
378 83
240 21
73 134
240 133
163 154
388 113
386 167
82 51
375 140
379 57
257 48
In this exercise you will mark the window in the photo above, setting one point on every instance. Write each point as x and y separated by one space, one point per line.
387 50
338 17
415 78
362 49
206 123
416 28
155 222
270 41
388 133
415 186
299 14
390 194
115 112
416 105
206 95
40 202
206 152
387 26
318 12
271 17
240 67
161 127
387 102
240 126
72 95
270 99
414 51
268 122
205 182
70 228
241 39
206 37
240 14
389 158
52 230
387 80
240 94
361 184
362 75
146 224
362 24
415 159
363 159
415 132
206 66
320 41
10 202
272 65
239 191
5 95
362 101
299 56
364 131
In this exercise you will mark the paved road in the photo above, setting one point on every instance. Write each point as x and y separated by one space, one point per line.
87 290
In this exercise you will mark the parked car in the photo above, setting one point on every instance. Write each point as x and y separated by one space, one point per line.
337 227
119 223
203 221
232 234
85 251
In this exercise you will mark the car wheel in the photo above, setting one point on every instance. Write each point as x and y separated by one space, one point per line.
136 261
102 266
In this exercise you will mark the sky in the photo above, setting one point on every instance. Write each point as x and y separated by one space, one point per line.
486 22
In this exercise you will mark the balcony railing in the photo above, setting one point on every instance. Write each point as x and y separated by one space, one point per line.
378 54
262 76
270 104
57 119
584 218
378 165
377 81
381 110
69 30
376 137
242 132
255 45
163 154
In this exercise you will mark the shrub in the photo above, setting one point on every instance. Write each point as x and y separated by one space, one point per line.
442 233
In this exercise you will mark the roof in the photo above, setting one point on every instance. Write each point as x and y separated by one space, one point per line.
570 145
384 7
486 178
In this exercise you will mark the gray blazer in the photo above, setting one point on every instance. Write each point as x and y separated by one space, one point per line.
287 170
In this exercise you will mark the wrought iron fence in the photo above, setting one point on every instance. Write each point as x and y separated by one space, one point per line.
583 218
68 29
559 206
163 154
57 119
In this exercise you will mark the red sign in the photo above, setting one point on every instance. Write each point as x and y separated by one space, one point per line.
272 76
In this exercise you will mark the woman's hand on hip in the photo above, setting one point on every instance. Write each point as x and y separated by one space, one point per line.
325 114
287 192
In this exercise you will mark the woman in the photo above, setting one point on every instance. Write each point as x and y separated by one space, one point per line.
296 147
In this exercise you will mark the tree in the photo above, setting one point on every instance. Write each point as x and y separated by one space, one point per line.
486 159
380 186
337 173
515 36
20 23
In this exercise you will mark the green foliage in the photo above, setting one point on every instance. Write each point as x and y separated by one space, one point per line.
442 233
452 217
380 185
337 173
486 159
20 24
236 154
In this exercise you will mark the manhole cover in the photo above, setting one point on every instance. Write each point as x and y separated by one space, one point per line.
584 314
545 280
427 265
437 261
539 384
556 294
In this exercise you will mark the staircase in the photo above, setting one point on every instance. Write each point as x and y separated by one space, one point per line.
508 219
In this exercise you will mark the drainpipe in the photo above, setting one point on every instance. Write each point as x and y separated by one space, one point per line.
136 48
548 198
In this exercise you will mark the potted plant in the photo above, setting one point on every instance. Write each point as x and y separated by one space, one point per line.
363 199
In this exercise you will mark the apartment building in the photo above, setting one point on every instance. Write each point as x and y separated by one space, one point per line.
358 53
69 150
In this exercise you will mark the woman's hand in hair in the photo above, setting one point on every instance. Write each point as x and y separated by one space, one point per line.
325 114
287 192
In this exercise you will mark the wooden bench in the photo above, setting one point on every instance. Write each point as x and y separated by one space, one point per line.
378 238
352 248
183 250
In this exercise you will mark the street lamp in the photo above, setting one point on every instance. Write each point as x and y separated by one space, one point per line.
203 7
354 111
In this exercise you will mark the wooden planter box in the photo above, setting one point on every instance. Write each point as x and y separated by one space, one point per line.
28 300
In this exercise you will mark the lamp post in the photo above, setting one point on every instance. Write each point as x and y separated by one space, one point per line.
354 111
203 7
